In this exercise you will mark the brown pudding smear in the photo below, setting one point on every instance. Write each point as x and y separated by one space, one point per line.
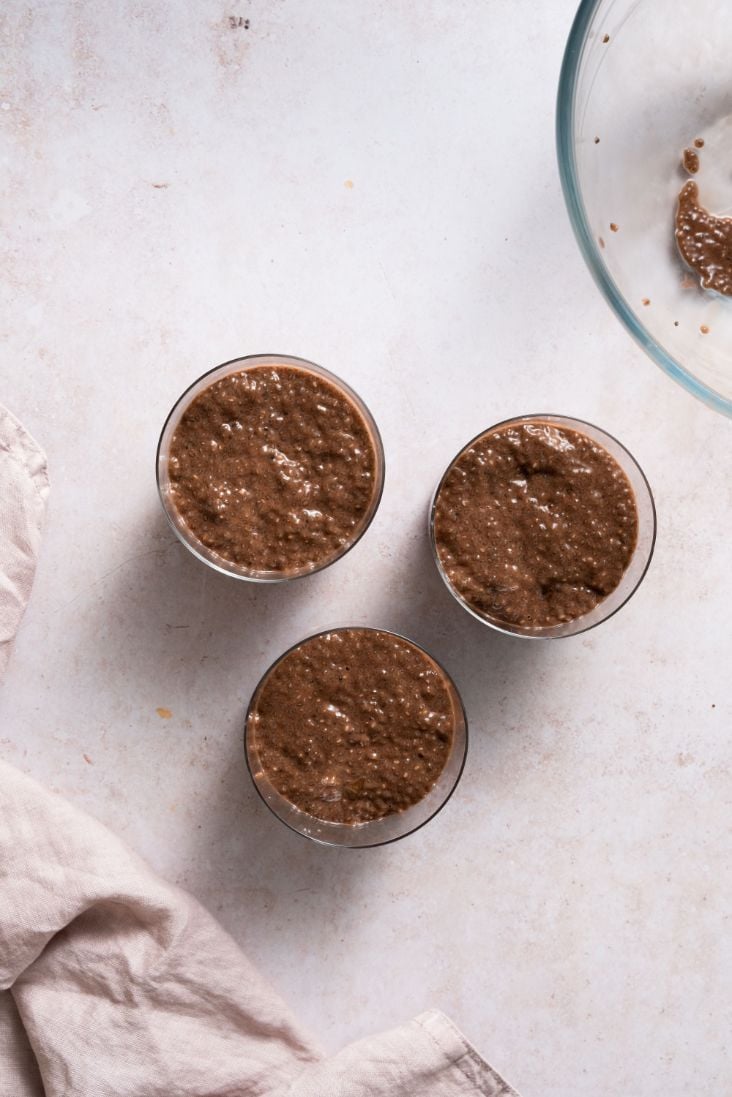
274 469
534 524
691 161
353 725
705 241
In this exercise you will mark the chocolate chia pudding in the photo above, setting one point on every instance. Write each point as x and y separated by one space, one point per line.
690 160
534 524
274 468
704 241
353 725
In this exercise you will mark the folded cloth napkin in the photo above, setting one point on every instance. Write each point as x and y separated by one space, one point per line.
23 493
116 984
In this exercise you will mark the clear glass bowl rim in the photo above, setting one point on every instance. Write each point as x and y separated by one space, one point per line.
397 837
538 634
569 176
361 406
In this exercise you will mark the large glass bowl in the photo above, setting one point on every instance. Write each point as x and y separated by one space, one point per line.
648 77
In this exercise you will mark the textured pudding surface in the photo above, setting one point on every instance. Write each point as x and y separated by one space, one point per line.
534 524
353 725
705 241
274 469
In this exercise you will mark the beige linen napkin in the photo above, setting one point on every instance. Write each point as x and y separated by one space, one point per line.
116 984
23 493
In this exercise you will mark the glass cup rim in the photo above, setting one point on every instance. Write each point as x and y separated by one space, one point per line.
386 841
537 634
338 382
574 201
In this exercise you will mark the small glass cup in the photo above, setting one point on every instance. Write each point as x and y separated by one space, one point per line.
639 562
188 537
375 832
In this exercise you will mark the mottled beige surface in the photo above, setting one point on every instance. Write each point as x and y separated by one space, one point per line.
177 194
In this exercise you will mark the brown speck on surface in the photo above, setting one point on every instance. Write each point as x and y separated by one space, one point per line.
229 45
89 762
164 713
613 227
676 323
704 329
646 301
690 160
160 186
597 140
683 759
601 242
605 39
348 184
699 142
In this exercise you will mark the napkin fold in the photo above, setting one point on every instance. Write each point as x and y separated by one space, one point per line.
114 983
23 494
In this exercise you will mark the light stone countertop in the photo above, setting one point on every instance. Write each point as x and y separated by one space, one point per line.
371 185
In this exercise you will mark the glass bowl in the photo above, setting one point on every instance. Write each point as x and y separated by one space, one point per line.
375 832
179 526
639 562
640 81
